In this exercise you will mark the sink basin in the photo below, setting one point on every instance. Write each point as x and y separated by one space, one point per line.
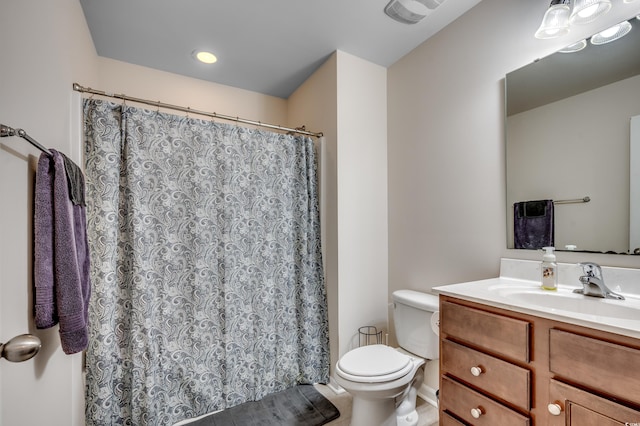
565 300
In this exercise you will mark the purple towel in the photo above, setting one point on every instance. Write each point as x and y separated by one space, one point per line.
533 224
61 256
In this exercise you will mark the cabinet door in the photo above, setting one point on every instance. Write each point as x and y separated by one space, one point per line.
581 416
610 368
572 406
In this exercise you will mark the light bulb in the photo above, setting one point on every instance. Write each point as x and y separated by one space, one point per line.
205 57
585 11
611 34
555 22
575 47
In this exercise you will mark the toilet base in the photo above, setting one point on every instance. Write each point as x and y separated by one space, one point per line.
406 410
373 412
410 419
372 408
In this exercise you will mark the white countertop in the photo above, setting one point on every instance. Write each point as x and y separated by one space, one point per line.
526 296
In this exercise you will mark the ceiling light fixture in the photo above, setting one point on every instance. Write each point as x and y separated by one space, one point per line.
204 56
555 22
585 11
575 47
611 34
410 11
563 13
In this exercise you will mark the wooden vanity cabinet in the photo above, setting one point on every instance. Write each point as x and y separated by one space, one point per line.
572 406
500 367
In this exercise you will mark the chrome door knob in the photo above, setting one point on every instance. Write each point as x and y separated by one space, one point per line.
20 348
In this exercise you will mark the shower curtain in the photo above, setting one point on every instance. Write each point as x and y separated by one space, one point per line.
208 288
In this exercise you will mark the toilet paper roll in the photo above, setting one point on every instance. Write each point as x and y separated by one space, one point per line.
435 322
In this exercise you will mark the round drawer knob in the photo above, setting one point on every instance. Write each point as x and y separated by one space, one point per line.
476 412
476 371
554 409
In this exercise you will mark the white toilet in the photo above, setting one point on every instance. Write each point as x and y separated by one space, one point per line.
384 381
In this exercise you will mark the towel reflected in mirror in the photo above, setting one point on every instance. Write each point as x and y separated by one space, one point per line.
533 224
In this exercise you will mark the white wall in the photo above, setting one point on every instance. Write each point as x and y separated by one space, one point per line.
146 83
447 199
314 104
634 184
362 197
45 46
346 99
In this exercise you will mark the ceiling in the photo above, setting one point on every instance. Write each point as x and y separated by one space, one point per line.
270 47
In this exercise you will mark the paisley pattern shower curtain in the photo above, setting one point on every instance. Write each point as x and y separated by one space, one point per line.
208 288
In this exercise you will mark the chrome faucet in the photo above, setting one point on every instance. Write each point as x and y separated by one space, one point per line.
593 283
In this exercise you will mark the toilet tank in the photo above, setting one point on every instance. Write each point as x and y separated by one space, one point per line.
412 317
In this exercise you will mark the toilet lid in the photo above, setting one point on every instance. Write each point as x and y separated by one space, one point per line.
374 363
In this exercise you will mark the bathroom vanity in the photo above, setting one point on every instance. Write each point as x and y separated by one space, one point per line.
504 361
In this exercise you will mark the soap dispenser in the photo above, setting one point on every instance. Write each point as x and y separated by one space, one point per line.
549 270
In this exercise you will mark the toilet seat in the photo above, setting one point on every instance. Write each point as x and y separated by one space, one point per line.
374 364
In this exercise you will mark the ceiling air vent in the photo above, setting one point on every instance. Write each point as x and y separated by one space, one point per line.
410 11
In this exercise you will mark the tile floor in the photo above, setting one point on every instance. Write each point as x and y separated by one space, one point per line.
427 413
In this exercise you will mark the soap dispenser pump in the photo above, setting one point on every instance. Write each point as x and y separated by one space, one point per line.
549 270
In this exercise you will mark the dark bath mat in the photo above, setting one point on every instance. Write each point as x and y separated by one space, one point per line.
301 405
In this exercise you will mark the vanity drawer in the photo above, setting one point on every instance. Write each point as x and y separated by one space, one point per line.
461 401
448 420
501 379
495 333
603 366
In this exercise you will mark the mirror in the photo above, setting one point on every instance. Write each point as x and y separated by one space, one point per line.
568 119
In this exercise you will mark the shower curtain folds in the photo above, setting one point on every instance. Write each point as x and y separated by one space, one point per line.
206 265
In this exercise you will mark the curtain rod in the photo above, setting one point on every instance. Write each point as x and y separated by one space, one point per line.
300 130
8 131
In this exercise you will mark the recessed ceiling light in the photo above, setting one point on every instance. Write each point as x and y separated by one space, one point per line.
204 56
